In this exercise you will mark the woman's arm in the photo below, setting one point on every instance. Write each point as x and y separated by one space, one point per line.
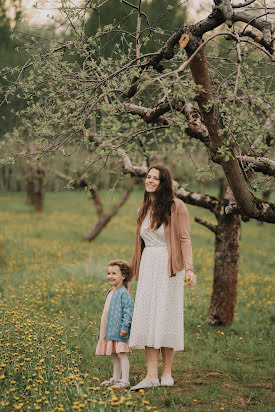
185 243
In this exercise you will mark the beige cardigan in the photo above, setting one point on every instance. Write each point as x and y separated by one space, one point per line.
177 239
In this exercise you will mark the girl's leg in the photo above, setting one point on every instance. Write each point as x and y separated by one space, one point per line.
167 357
116 367
125 366
152 356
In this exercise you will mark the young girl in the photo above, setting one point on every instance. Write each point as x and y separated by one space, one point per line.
116 323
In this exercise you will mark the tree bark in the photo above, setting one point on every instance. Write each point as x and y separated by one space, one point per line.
224 292
265 196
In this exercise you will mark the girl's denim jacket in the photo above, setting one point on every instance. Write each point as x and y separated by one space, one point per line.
119 314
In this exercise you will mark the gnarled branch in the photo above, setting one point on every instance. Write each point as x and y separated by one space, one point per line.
210 226
259 164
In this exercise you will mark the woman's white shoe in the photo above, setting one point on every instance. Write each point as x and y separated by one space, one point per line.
167 381
145 384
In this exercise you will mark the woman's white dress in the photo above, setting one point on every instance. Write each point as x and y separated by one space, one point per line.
158 312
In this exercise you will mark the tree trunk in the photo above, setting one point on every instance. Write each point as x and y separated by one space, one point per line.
35 186
1 246
30 190
98 226
224 293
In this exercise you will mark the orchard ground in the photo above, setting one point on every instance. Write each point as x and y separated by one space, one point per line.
52 289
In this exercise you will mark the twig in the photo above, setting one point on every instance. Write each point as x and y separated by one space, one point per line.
241 4
239 60
138 32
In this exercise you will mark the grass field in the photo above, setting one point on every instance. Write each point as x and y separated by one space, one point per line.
52 288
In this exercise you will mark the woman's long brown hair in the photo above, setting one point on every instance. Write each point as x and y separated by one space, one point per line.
162 201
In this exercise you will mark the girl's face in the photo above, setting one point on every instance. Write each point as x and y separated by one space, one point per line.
114 276
152 181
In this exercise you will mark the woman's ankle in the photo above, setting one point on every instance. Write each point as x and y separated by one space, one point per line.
150 377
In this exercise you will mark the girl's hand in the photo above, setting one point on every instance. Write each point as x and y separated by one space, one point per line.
191 279
123 332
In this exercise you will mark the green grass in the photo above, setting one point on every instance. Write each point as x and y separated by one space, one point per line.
52 288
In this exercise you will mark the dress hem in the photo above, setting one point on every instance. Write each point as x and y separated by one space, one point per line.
158 347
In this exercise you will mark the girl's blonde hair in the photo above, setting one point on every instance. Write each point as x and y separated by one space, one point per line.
125 270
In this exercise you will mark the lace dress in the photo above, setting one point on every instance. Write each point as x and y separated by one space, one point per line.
158 312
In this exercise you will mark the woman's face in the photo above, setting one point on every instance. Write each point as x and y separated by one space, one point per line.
152 181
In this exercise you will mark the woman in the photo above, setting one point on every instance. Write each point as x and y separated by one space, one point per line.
162 252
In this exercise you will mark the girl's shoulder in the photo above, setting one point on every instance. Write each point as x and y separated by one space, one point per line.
125 292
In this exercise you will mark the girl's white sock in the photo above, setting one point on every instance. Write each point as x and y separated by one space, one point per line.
125 366
116 367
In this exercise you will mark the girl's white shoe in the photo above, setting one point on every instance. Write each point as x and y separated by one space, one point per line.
110 382
121 384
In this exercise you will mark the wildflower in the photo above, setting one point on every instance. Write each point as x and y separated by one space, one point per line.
18 406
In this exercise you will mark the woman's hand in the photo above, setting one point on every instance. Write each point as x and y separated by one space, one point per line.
123 332
191 279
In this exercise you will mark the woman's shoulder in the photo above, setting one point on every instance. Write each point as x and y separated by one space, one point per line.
178 203
179 206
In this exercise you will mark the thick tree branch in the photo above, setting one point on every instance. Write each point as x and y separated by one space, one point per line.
196 127
122 200
263 25
198 199
150 115
97 201
210 226
257 39
134 171
259 164
104 219
226 8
